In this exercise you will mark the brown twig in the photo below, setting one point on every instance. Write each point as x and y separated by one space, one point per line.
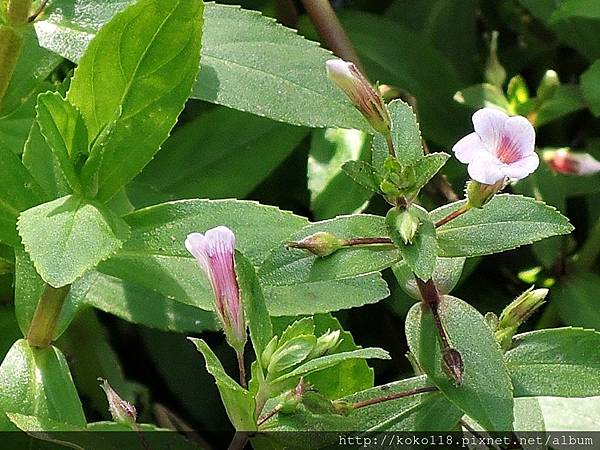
38 11
242 368
267 416
453 215
397 395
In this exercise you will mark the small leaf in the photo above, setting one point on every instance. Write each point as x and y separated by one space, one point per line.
405 136
67 237
446 275
567 9
65 132
131 109
237 400
291 353
305 326
421 254
561 362
257 315
38 382
363 173
482 96
486 391
426 168
506 222
590 82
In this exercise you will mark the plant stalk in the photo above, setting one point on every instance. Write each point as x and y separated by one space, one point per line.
397 395
45 318
453 215
242 368
17 12
353 242
331 31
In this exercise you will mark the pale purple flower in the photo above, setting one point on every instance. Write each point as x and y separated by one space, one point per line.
563 161
214 252
501 147
360 92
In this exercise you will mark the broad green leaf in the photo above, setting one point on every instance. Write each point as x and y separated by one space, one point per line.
423 412
250 69
566 100
63 128
289 266
325 362
312 297
562 362
37 382
67 237
528 417
421 253
136 304
132 107
405 136
590 83
363 174
570 414
18 192
481 96
329 150
255 309
576 8
486 392
222 153
506 222
238 401
446 275
155 257
575 299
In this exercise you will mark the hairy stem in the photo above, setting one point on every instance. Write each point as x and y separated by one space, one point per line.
453 215
331 31
390 144
242 368
46 315
239 441
387 398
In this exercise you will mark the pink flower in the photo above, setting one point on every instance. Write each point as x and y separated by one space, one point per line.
360 92
500 147
214 252
563 161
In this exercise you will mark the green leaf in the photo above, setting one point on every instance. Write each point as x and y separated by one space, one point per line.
486 391
590 82
132 107
289 266
566 100
571 414
421 253
563 362
481 96
67 237
325 362
63 128
291 353
313 297
37 382
257 315
222 153
18 192
246 70
304 326
155 256
330 151
238 401
414 413
529 417
576 8
363 174
136 304
576 300
446 275
405 136
426 168
506 222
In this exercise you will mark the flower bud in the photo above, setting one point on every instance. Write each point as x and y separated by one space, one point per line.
453 364
293 398
325 343
360 92
494 71
120 410
565 162
547 87
518 312
214 252
321 243
403 224
478 194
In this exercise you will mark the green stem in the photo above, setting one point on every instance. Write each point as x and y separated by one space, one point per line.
45 319
589 251
11 43
18 11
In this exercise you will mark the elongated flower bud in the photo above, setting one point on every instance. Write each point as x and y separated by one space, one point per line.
325 343
321 243
360 92
120 410
214 252
565 162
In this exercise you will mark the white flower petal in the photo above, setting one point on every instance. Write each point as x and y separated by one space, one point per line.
587 164
486 169
467 149
519 131
489 125
520 169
